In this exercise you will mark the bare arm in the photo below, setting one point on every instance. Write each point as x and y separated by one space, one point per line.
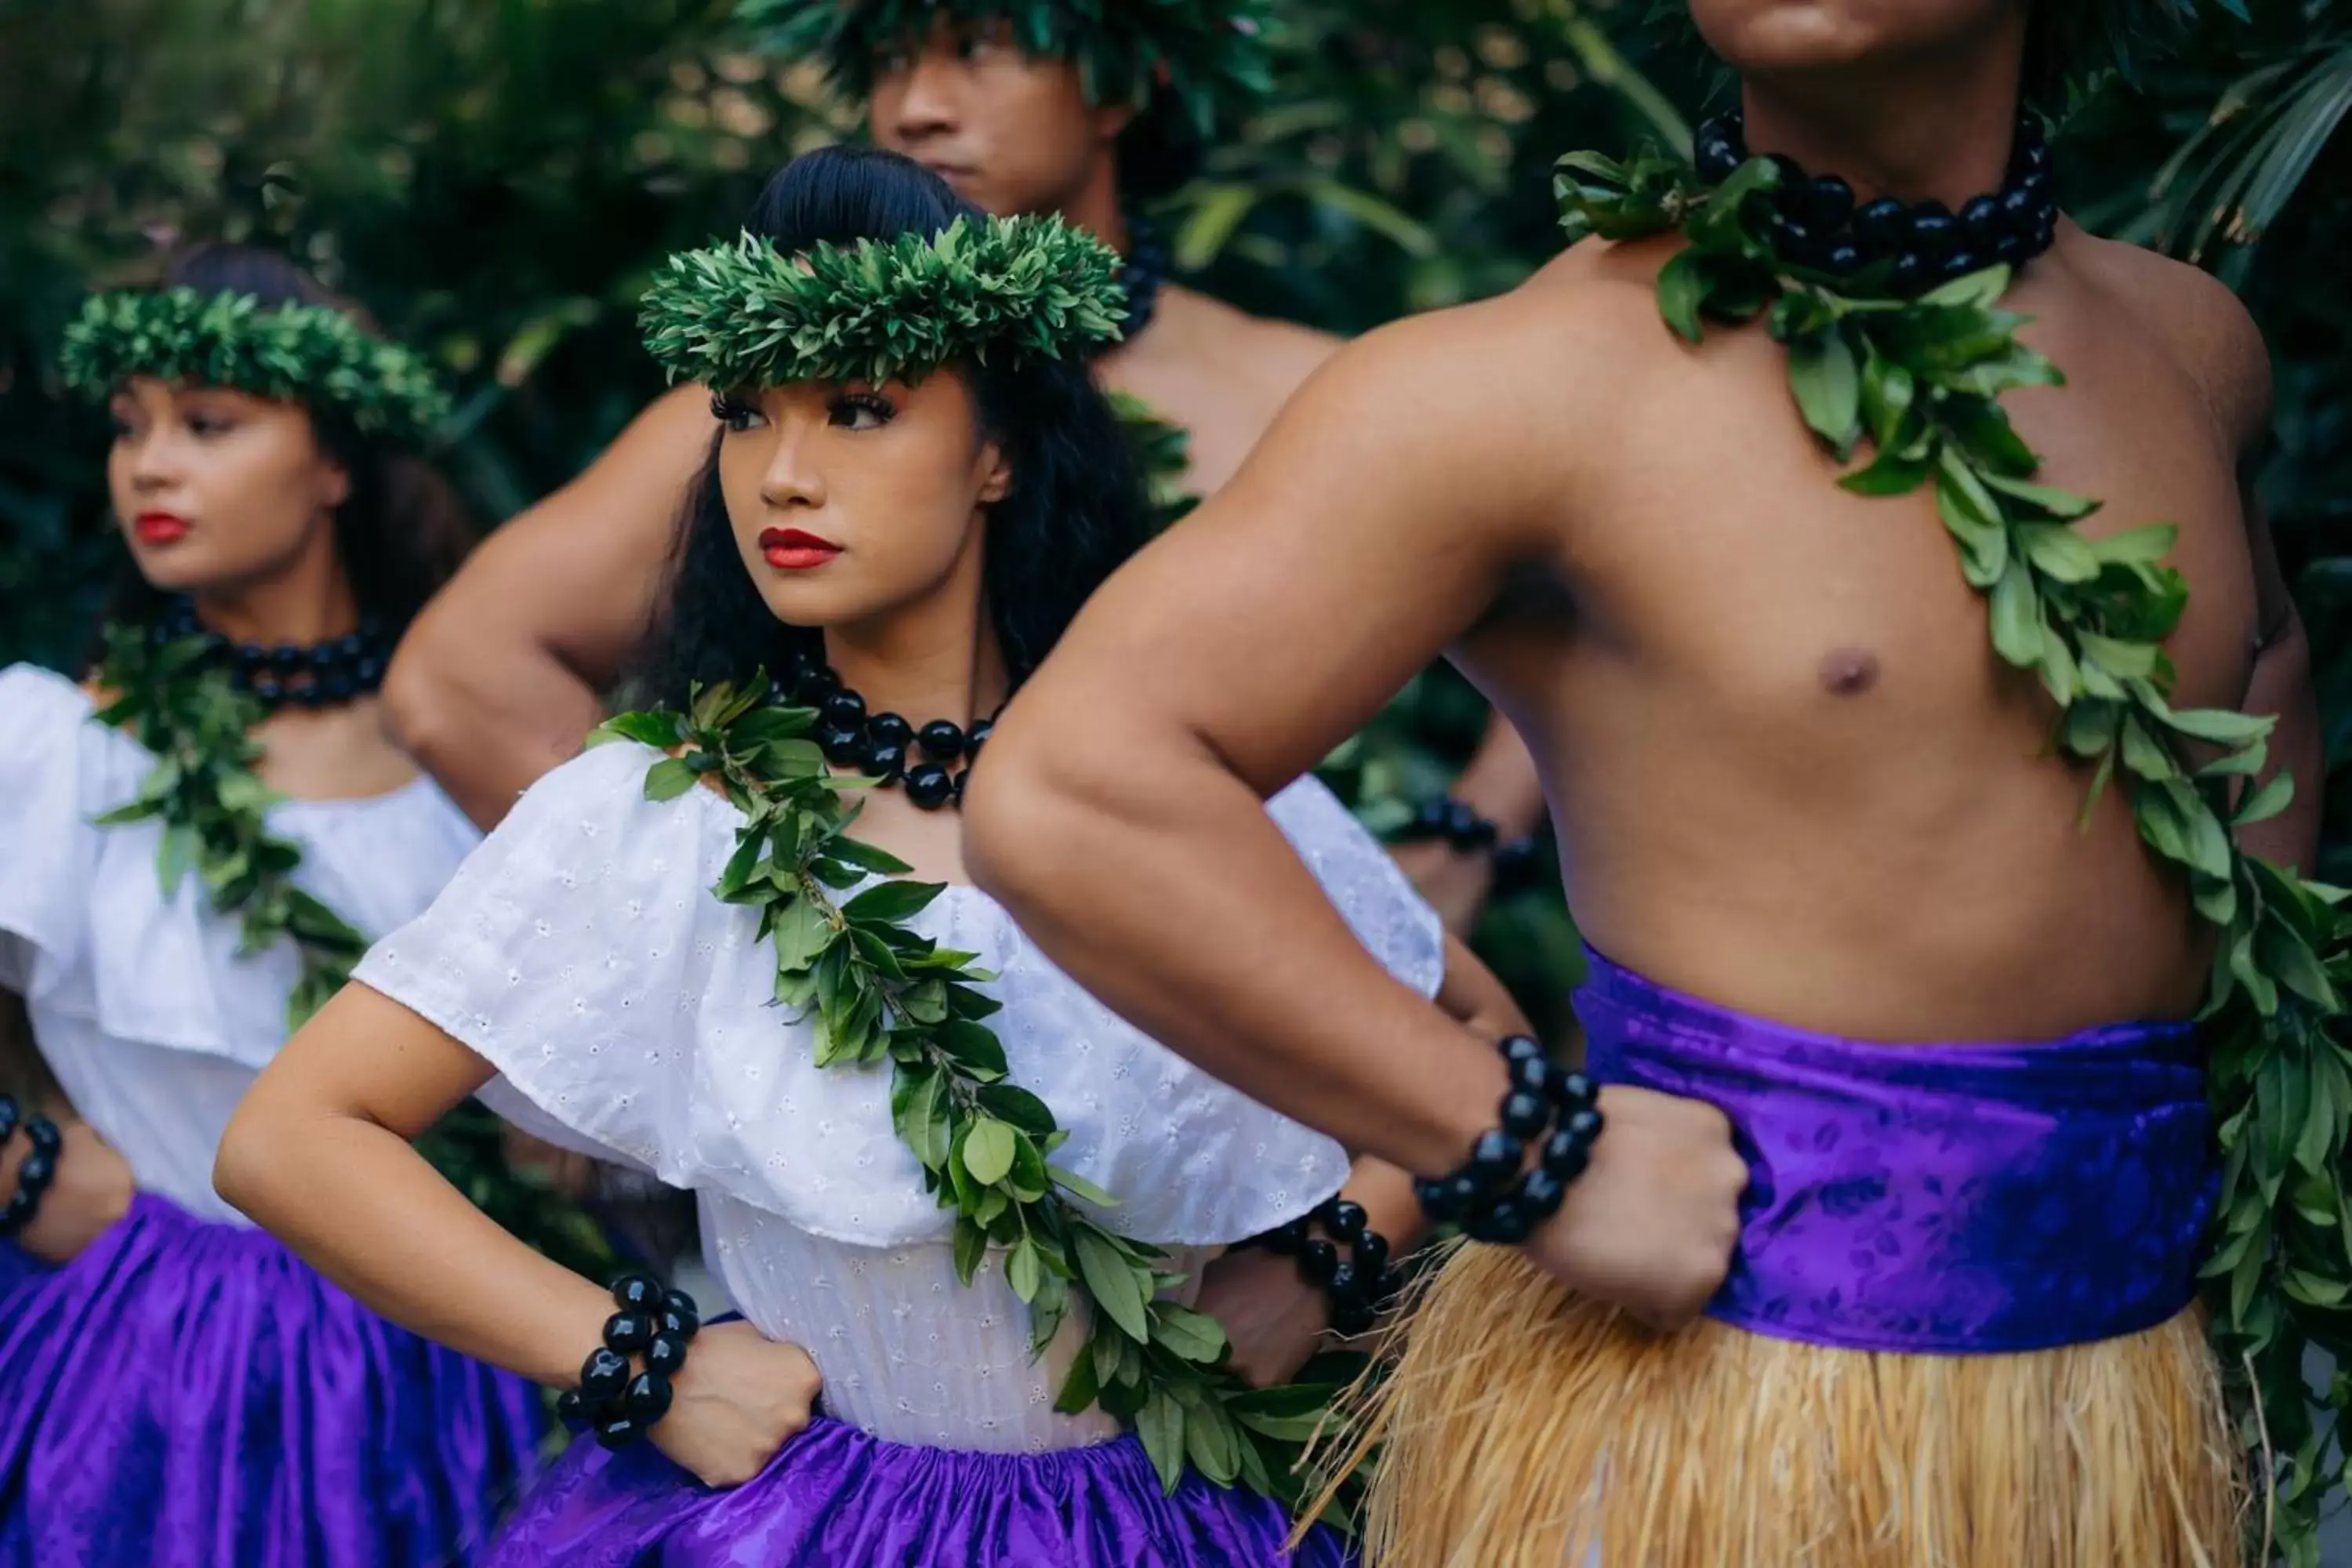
1118 811
497 681
319 1153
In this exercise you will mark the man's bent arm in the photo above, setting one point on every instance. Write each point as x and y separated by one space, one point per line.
499 679
1119 811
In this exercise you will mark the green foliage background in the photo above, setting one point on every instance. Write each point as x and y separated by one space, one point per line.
496 178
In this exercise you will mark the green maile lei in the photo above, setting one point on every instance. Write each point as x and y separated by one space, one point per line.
1919 383
311 355
876 993
213 810
1199 55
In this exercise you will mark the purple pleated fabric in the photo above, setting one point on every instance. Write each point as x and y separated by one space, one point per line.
835 1497
1942 1199
188 1394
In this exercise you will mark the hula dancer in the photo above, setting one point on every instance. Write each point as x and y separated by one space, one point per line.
191 842
1065 107
940 1180
1915 868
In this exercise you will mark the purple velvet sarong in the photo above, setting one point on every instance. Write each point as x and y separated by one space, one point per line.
1946 1199
189 1394
835 1497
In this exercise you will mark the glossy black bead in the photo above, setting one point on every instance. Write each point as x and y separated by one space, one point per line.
1845 259
1584 1124
1829 203
1465 828
1526 1115
930 786
620 1431
842 748
285 659
268 688
37 1171
571 1409
1505 1224
883 760
18 1214
1932 226
1391 1286
1979 220
959 779
1429 819
2019 209
1795 240
667 1355
890 729
2012 248
1446 1199
1573 1091
1792 173
1495 1158
681 1325
1316 1261
1371 1254
1881 222
980 733
843 711
1564 1157
636 1293
1531 1075
604 1374
9 1115
1960 263
646 1398
1349 1319
43 1136
1716 152
1520 1048
628 1332
338 687
942 741
1347 1220
1346 1283
1517 865
1285 1240
2031 154
1542 1193
1907 277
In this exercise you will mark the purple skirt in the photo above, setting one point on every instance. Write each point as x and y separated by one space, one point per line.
836 1497
188 1394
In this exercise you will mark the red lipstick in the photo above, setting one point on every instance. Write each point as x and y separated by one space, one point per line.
795 549
159 528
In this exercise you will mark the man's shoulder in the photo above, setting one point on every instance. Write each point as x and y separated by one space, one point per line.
1262 350
2205 326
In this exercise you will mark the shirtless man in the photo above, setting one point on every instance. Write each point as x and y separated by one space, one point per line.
1787 775
498 681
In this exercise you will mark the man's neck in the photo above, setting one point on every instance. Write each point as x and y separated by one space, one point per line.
1095 206
1936 126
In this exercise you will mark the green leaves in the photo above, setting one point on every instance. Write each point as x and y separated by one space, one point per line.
1922 380
880 991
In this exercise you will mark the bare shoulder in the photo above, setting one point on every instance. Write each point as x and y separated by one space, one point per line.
2205 326
1270 357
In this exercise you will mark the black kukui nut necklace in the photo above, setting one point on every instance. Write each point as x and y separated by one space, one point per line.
287 675
1816 223
881 745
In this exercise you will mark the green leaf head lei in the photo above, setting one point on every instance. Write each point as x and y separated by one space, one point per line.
1916 386
744 314
1196 56
312 355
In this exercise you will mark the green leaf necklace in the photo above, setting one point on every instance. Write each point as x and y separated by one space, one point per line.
874 992
175 697
1920 381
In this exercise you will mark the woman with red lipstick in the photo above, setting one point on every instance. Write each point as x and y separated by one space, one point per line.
194 839
899 513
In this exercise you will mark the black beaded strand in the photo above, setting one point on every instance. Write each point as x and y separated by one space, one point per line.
1816 223
37 1171
1142 271
1360 1285
1492 1195
879 745
1518 862
615 1395
288 674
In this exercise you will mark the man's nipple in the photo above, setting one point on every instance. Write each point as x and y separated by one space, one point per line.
1849 672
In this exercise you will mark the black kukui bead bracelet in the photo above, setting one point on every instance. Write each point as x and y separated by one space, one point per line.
615 1395
1493 1196
1353 1267
34 1174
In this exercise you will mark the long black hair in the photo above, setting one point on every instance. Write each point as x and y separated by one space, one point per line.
401 533
1075 508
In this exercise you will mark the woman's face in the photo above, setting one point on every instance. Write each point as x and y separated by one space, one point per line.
216 489
850 503
1011 132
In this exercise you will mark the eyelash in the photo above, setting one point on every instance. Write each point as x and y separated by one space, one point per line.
731 411
855 402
